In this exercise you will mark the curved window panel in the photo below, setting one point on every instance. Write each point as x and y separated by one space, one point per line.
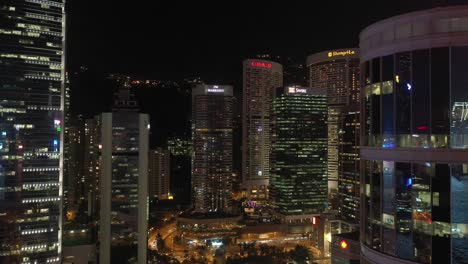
439 97
420 96
403 98
459 214
459 98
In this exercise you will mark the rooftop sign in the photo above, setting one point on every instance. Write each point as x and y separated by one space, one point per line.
341 53
297 90
260 64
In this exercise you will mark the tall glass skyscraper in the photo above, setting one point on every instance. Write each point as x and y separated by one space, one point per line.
260 79
212 110
348 165
414 138
337 71
123 224
31 118
298 182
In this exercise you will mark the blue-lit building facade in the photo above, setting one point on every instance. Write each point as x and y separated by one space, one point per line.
31 122
298 176
414 162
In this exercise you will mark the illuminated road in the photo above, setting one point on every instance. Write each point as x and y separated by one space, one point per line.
165 232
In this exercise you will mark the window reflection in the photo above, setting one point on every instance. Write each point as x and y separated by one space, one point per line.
403 208
388 207
420 95
439 97
459 98
422 217
403 98
459 215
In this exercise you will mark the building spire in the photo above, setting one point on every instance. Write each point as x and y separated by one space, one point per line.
124 99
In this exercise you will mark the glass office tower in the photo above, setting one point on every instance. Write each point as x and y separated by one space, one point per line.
337 71
123 181
414 157
348 165
298 183
212 126
31 120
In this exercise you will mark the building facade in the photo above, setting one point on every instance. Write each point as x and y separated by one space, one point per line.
159 173
337 71
73 163
181 151
260 80
298 177
91 161
414 172
123 181
348 165
31 119
212 110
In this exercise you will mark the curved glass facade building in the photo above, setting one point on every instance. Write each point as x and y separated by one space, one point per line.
414 131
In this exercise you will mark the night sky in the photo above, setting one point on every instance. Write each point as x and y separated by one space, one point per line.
157 40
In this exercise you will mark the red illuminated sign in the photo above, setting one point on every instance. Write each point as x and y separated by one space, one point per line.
314 220
343 244
261 64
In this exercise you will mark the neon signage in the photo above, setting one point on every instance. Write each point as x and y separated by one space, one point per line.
214 90
261 64
297 90
341 53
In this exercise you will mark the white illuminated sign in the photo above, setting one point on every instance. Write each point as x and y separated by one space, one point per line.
296 90
301 90
215 90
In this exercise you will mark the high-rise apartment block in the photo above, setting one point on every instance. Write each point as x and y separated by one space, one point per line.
159 174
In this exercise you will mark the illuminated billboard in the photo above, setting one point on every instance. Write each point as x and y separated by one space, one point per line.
261 64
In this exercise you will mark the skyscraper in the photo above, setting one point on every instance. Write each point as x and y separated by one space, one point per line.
348 165
74 185
181 151
212 110
260 80
414 172
123 181
338 72
31 120
298 179
91 166
159 173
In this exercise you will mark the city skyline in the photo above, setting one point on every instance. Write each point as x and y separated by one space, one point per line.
308 133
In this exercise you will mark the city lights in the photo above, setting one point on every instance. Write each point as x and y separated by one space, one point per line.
344 244
151 140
